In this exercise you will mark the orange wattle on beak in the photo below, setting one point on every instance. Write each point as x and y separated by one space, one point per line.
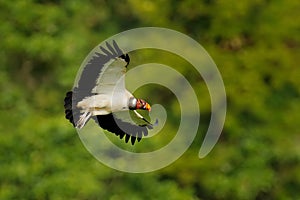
148 107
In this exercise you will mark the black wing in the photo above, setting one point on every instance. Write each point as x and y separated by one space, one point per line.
95 66
121 129
88 79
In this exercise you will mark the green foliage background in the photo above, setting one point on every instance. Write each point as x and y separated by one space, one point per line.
255 44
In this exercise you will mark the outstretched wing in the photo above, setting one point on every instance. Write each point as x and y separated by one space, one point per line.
111 78
102 70
133 126
121 128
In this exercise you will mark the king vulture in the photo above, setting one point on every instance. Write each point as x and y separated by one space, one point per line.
101 95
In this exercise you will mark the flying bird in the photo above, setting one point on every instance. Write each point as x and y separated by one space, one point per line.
101 95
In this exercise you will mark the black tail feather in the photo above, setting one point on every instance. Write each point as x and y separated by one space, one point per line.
68 107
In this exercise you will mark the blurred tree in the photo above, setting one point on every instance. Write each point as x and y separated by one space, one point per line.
256 46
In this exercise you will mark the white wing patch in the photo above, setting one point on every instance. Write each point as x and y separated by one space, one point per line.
110 76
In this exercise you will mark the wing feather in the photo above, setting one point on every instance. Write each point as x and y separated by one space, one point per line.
95 68
117 48
121 128
110 48
106 51
110 77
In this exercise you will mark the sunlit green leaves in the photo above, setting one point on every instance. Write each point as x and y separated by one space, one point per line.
256 47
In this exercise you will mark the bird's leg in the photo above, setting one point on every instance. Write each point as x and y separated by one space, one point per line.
83 119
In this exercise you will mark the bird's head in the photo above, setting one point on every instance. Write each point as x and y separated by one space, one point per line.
135 104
